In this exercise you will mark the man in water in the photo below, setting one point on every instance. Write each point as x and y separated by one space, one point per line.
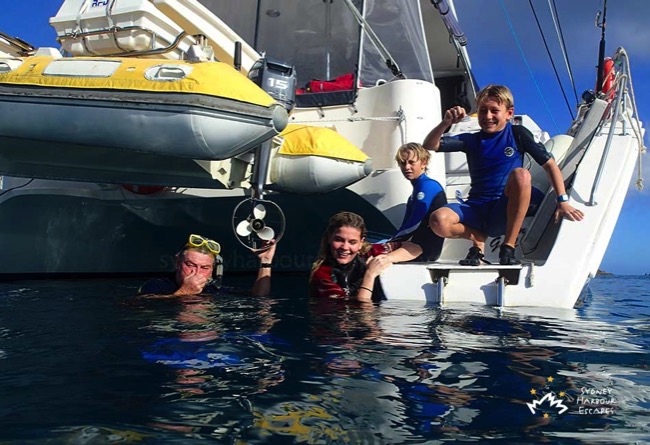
197 271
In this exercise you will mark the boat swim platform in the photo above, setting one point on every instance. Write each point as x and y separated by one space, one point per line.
444 282
505 275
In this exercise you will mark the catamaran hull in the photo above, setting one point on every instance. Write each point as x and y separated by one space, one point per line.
76 229
59 230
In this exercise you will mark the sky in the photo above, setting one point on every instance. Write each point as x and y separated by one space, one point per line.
498 33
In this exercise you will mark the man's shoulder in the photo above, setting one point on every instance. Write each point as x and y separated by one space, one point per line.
159 286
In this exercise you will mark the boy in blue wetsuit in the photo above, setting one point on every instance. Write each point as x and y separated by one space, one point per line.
428 195
500 192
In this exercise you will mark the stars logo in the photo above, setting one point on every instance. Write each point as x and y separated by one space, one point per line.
547 401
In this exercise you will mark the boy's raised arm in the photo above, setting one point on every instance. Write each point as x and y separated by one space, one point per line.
451 116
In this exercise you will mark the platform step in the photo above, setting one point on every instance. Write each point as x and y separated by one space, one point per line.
504 275
481 267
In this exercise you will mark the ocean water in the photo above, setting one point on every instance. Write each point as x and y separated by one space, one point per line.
85 362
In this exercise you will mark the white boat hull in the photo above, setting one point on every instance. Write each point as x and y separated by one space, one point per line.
571 257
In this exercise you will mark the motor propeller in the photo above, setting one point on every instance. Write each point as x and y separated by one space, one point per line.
256 221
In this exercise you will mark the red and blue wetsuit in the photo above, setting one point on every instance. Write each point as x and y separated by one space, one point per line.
342 281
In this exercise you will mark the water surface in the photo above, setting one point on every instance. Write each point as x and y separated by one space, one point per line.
85 362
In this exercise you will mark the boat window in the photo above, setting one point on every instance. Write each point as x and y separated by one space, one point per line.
168 73
398 24
322 38
82 68
7 66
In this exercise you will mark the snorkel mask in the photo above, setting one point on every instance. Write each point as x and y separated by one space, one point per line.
198 241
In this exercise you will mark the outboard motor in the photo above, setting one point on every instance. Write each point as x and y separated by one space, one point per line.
276 78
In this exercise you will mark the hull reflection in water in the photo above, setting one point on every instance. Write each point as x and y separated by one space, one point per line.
283 370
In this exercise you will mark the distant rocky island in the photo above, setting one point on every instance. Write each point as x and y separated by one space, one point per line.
603 273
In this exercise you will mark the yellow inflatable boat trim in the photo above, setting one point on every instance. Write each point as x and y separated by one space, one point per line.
302 140
209 78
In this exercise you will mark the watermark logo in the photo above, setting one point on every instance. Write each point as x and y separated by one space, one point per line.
552 402
546 401
592 401
583 401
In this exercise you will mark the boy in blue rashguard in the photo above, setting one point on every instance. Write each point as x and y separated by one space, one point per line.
428 195
501 188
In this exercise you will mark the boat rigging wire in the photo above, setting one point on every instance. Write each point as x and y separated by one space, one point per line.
550 57
375 40
530 71
601 48
565 53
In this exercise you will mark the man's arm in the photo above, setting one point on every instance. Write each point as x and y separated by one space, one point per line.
564 209
262 284
451 116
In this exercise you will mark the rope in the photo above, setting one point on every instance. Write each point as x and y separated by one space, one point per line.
400 118
530 71
550 57
402 125
351 119
82 9
565 53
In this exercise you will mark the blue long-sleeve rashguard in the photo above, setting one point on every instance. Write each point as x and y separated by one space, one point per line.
428 195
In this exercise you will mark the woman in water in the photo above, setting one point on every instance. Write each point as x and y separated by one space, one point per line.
347 266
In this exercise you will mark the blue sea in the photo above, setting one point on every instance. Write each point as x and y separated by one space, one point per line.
86 362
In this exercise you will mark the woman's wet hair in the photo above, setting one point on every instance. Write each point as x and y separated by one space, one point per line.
500 92
336 221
